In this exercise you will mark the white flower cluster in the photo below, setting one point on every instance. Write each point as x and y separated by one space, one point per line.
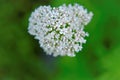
60 29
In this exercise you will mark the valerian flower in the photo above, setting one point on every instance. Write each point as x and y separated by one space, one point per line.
60 30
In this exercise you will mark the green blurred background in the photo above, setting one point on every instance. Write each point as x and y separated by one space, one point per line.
21 58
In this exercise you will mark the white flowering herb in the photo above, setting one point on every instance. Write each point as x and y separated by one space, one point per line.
60 30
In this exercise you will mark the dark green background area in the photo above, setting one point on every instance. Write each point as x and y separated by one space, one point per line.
21 58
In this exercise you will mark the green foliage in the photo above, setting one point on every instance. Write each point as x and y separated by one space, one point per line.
21 58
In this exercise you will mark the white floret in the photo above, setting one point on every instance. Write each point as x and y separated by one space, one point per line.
60 30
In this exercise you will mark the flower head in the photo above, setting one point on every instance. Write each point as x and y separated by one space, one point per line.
60 30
